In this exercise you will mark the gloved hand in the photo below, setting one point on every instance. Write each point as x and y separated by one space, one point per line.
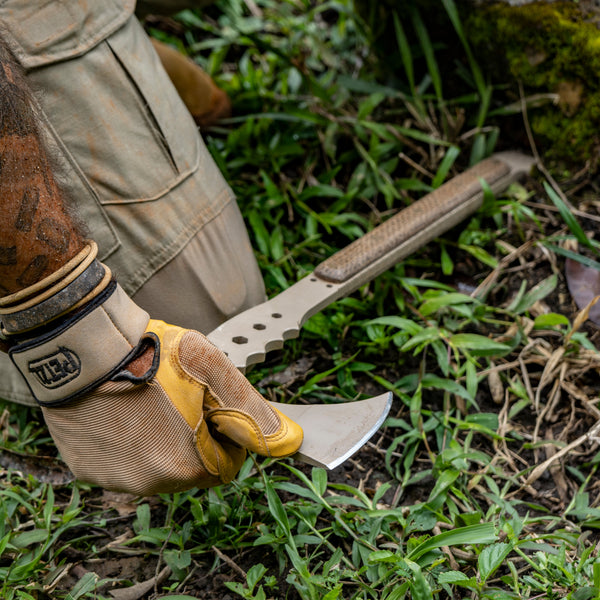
184 422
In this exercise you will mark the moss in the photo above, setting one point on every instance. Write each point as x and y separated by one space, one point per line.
550 48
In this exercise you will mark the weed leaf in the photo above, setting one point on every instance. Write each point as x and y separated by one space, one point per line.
28 538
419 586
254 575
443 482
432 305
491 558
88 583
478 345
431 381
525 300
455 577
482 533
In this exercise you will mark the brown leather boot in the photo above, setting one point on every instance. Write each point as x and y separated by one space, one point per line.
206 102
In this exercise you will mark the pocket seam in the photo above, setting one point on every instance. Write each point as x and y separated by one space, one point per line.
172 184
146 109
122 12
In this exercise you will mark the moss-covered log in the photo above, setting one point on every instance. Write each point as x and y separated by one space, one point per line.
551 48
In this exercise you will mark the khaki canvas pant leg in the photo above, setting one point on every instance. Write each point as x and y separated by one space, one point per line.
133 165
202 286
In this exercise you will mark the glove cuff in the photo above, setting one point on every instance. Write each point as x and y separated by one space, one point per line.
73 285
83 350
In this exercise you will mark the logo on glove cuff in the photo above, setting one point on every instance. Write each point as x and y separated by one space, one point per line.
56 369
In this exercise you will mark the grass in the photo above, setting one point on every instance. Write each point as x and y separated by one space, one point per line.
482 484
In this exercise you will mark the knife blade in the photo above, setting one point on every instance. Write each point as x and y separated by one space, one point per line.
334 432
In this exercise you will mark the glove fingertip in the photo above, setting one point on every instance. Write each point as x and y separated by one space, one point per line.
287 440
242 427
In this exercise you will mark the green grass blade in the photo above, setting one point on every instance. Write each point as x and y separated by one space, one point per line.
568 217
482 533
452 11
428 52
420 136
405 53
584 260
445 166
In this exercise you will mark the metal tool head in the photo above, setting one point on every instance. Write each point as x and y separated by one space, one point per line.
334 432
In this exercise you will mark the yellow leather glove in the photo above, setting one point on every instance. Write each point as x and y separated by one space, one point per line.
185 422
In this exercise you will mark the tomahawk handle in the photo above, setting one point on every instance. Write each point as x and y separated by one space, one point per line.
418 223
247 337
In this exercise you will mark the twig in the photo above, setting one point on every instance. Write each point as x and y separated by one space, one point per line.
539 470
538 161
560 481
382 452
549 208
526 379
363 480
253 8
488 282
415 165
505 367
230 562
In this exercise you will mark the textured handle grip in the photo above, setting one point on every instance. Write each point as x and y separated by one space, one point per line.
430 214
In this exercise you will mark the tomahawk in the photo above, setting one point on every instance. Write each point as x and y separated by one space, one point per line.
333 432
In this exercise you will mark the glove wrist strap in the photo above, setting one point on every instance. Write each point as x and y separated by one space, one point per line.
73 285
84 350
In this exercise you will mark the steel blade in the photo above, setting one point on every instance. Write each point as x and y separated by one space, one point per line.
334 432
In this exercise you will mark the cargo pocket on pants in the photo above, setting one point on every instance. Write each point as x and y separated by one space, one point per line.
112 109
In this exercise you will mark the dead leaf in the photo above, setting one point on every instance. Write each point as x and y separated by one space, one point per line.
539 308
137 591
548 374
556 470
124 504
584 286
295 371
570 94
536 473
495 385
581 317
